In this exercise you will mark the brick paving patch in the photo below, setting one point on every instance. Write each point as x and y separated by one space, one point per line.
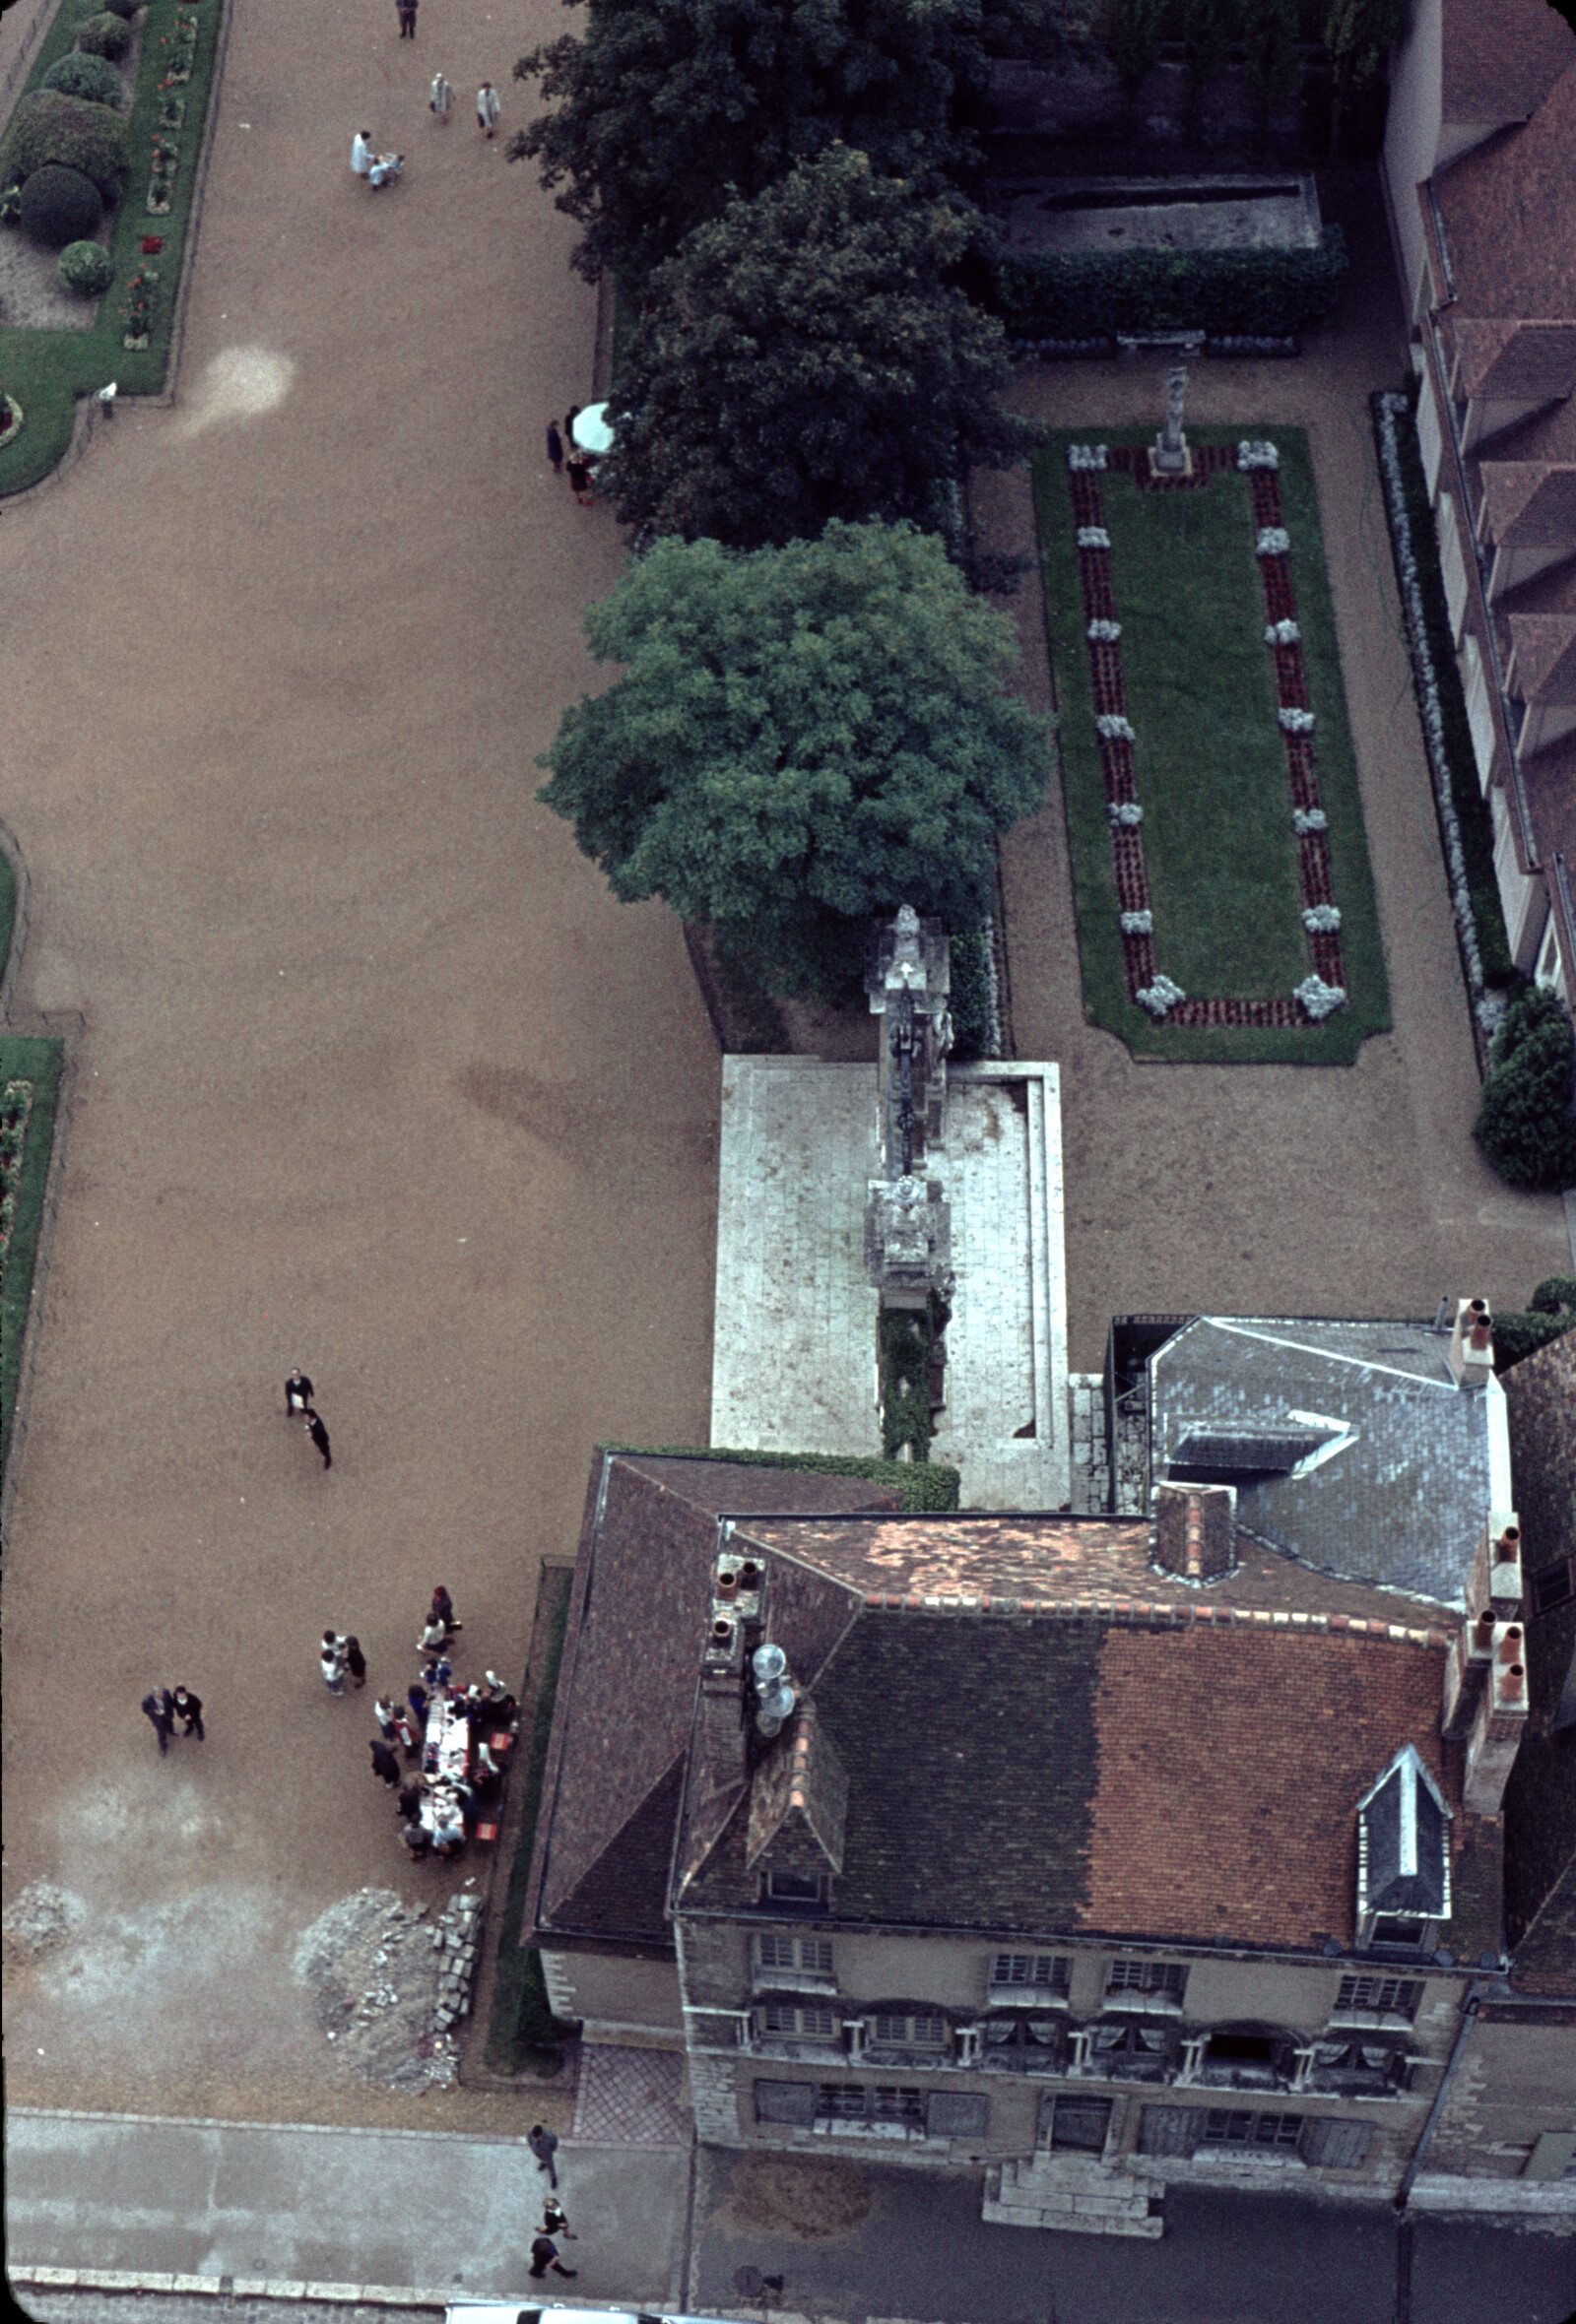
630 2097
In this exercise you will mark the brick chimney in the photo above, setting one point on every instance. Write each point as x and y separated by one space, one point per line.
1471 1354
1193 1533
1492 1594
1498 1724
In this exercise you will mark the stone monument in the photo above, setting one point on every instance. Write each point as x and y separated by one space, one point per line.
907 1222
1170 456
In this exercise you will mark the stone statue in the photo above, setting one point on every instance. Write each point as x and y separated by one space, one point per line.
1171 454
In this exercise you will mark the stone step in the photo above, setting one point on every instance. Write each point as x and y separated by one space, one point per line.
1074 2222
1081 2198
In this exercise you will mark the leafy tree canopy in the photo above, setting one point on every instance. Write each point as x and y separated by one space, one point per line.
1524 1124
807 355
800 736
667 106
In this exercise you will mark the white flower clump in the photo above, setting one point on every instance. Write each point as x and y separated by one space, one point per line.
1283 634
1260 455
1320 920
1433 726
1319 999
1297 722
1093 536
1273 541
1103 633
1086 457
1126 812
1159 997
1138 923
1308 819
1111 727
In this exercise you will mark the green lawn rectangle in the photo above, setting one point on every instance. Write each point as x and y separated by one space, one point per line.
1208 762
38 1062
47 370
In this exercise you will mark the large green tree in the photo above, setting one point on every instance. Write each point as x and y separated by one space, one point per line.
800 737
667 106
809 354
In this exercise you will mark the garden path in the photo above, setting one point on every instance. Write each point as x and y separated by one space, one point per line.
1275 1189
375 1076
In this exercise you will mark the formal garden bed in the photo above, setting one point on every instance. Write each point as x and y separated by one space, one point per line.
123 333
1225 898
29 1080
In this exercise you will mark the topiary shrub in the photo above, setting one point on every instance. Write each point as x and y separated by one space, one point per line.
1088 294
104 36
59 205
1524 1124
76 74
1549 1314
125 8
49 126
87 267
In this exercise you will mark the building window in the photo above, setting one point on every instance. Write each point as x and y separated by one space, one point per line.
786 2101
809 1954
1128 2053
1225 2127
796 1887
794 2023
1079 2125
956 2114
853 2101
1552 1585
1040 1973
1393 1996
1021 2045
900 2031
1245 2061
1362 2068
1160 1980
1390 1928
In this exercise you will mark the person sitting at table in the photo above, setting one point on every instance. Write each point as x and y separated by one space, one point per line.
487 1769
416 1838
438 1673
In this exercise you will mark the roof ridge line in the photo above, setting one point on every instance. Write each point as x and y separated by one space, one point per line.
1156 1615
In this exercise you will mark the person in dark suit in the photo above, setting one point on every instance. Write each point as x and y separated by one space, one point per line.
298 1393
545 2255
385 1764
159 1710
408 1802
356 1660
319 1436
190 1708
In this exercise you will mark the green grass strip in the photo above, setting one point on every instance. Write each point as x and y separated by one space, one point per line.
47 370
8 909
1210 772
523 2036
38 1062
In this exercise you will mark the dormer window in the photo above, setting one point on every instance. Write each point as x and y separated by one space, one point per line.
1402 1859
807 1889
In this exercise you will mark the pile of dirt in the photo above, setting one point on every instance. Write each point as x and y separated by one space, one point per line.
40 1922
372 1967
800 2195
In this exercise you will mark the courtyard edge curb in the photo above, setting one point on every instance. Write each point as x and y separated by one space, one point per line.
67 1025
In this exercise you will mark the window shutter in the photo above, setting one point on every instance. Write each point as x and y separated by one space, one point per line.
1331 2145
786 2101
1171 2130
956 2114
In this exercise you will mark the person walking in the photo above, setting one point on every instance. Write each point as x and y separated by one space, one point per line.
161 1710
190 1708
407 14
434 1639
555 448
545 2255
319 1436
355 1662
444 1610
362 160
554 2219
331 1655
544 2145
299 1391
578 472
441 101
487 109
385 1764
386 1713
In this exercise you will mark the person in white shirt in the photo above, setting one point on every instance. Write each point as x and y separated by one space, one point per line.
487 108
362 153
385 169
443 97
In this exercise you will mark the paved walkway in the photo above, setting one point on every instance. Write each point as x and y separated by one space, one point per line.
1277 1190
291 2204
375 1076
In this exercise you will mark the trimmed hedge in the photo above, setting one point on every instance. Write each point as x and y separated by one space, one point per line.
926 1488
104 36
94 77
1550 1314
1524 1124
59 205
969 1001
87 267
1230 294
49 126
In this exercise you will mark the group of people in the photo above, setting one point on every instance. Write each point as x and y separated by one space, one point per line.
382 168
164 1704
298 1394
442 1803
577 465
544 2145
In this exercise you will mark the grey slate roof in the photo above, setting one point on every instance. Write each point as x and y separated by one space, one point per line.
1404 1842
1402 1503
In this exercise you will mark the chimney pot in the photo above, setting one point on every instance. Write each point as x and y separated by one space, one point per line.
1508 1546
1511 1648
1485 1629
1510 1685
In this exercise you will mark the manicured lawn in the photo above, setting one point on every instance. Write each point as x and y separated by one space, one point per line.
1210 768
47 370
38 1061
522 2035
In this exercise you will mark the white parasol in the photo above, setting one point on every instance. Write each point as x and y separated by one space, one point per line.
591 430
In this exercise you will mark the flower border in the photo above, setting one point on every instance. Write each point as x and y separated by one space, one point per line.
1147 987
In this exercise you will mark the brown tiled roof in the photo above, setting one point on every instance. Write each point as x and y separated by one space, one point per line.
1550 781
1503 205
1545 646
1533 496
1500 58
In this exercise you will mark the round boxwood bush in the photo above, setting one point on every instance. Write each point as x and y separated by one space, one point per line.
104 36
1524 1124
49 126
78 75
87 267
59 205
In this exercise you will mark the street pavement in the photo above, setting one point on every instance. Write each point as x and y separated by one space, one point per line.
295 2203
922 2251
